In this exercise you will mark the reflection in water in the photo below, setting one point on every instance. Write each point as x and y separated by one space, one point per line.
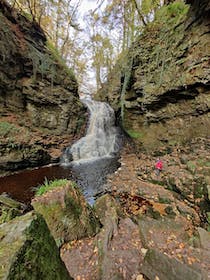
90 177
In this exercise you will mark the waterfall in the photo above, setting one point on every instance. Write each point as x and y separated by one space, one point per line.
102 138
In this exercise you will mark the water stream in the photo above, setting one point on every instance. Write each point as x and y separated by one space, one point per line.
102 139
88 161
94 156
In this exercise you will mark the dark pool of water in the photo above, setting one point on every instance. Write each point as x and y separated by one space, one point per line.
22 185
90 177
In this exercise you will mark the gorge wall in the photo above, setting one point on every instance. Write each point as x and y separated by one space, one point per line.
39 104
162 91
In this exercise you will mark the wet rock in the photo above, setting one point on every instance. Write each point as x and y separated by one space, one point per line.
110 241
108 209
22 156
67 214
28 251
157 265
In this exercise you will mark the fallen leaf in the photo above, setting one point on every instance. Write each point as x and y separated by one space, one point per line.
140 277
181 245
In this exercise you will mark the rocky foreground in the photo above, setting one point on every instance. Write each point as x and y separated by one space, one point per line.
143 226
153 227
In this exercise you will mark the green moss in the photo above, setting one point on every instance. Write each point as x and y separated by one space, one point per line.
47 186
153 213
57 57
172 13
38 258
202 163
80 122
198 192
68 220
191 166
73 205
164 200
134 134
7 129
8 214
48 62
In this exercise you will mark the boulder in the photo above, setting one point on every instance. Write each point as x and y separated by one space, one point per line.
157 265
67 214
204 238
28 250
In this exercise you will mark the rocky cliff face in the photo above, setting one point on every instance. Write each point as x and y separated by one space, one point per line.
164 89
38 94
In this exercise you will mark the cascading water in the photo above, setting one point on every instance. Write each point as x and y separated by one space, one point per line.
87 162
102 138
93 157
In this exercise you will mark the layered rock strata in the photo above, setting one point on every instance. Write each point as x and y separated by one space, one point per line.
38 94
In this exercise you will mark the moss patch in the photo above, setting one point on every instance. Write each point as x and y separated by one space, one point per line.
66 212
134 134
32 250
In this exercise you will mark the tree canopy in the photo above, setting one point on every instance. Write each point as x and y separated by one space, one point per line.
91 41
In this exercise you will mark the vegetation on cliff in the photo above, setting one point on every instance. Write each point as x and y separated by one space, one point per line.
39 95
163 89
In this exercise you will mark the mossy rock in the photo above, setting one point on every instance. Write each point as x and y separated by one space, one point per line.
28 250
9 208
67 214
7 214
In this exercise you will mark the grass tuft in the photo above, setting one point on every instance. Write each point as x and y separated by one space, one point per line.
49 185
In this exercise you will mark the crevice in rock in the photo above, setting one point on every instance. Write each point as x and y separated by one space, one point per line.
174 96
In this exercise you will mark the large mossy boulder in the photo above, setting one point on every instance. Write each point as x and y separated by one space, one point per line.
28 250
68 215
